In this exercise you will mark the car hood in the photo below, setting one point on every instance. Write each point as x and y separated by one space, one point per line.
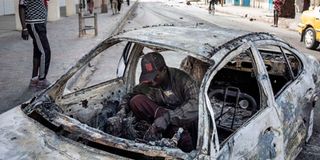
23 138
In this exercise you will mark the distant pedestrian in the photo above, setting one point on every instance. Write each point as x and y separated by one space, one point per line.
276 11
90 5
221 2
128 2
306 5
119 4
211 6
33 15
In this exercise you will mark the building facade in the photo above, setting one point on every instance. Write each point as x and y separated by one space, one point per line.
7 7
289 8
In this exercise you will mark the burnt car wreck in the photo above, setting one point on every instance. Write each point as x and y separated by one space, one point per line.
256 98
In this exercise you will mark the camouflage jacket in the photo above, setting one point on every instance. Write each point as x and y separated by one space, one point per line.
181 98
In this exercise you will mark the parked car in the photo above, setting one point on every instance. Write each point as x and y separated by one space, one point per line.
256 101
309 28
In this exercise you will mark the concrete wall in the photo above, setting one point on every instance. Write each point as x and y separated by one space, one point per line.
7 6
253 3
260 4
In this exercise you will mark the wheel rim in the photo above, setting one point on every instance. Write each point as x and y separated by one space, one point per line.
309 38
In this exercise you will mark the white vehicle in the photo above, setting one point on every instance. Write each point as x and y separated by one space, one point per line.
256 101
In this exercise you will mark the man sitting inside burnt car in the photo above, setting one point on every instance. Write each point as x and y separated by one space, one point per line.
164 106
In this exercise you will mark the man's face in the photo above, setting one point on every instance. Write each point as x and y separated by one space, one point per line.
159 78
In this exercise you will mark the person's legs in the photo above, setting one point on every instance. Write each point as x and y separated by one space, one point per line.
145 109
40 34
91 6
119 5
42 53
275 18
36 58
185 142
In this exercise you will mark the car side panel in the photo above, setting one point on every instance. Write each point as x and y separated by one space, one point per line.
259 139
294 106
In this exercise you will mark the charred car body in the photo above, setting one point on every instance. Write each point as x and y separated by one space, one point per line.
256 101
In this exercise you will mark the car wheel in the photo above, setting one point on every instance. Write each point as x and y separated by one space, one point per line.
310 38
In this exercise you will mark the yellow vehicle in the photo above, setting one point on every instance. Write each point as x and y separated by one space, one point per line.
309 28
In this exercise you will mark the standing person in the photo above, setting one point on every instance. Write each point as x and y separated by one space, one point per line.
276 11
211 6
90 6
33 15
306 5
167 98
128 2
119 4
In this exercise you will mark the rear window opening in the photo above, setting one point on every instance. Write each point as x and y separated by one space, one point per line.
234 90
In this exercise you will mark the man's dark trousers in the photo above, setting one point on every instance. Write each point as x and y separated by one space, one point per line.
41 49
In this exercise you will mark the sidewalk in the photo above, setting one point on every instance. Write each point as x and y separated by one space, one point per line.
253 14
66 49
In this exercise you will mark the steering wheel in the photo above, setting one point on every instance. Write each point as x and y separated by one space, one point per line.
245 101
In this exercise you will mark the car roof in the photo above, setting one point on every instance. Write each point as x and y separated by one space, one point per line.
202 42
195 40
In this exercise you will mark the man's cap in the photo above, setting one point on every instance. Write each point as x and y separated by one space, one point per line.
150 64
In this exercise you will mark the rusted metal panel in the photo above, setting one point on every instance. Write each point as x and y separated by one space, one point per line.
24 138
277 131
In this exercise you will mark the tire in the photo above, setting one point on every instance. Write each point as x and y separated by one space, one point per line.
309 38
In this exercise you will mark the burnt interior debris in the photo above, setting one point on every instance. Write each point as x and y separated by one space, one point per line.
234 91
53 110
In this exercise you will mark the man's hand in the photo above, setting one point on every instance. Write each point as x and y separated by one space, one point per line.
159 125
25 34
152 134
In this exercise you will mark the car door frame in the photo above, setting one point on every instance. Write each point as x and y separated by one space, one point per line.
296 111
209 144
113 85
